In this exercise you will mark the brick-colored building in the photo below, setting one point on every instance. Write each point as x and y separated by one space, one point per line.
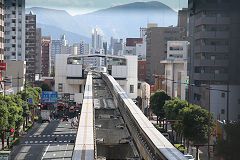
133 41
142 70
46 56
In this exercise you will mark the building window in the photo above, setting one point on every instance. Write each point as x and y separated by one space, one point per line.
223 95
222 111
131 88
60 87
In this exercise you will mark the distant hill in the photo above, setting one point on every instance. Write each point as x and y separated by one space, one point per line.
119 21
55 33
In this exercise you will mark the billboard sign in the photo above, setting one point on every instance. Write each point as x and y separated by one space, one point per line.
3 66
49 97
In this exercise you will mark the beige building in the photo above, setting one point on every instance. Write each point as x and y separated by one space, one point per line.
16 71
156 51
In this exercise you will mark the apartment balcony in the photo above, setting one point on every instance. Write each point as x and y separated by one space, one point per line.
211 49
212 20
211 35
209 62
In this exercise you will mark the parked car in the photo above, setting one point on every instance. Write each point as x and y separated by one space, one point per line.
189 157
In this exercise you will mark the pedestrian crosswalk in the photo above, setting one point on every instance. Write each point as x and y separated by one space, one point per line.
53 135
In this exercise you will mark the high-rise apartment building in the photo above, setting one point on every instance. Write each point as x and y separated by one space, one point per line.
156 50
46 56
30 46
14 30
214 57
97 39
38 57
1 30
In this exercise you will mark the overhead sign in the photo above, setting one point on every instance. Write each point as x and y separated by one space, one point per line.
49 97
3 66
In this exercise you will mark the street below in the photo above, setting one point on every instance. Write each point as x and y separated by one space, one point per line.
54 140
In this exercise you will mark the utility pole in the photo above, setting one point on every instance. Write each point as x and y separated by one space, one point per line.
227 102
209 122
18 83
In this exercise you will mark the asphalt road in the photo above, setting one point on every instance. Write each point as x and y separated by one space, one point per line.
40 143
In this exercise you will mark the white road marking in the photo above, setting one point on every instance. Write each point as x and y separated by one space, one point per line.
34 136
30 136
60 141
48 135
41 141
65 150
57 135
45 141
65 141
50 141
26 141
39 136
70 135
66 135
61 135
36 141
45 151
31 141
54 154
44 135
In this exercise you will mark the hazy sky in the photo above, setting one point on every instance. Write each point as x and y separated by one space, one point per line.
84 6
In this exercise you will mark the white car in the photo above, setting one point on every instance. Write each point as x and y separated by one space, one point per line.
188 156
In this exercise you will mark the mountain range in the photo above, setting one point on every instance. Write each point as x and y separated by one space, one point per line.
120 21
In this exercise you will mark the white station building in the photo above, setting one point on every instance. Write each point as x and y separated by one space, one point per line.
70 75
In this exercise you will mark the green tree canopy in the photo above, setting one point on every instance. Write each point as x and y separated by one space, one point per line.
195 124
172 110
157 101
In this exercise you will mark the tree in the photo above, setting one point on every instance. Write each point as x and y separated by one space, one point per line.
3 118
172 110
12 110
157 101
195 124
229 148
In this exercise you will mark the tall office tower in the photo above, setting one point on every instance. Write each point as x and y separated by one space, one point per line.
30 47
214 57
1 30
105 47
56 48
156 50
118 47
14 13
183 22
38 51
82 47
46 56
97 39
